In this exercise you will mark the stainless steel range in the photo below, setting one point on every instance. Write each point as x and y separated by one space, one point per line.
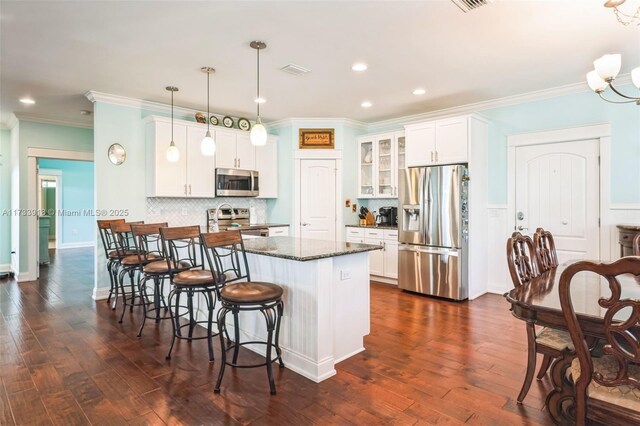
234 218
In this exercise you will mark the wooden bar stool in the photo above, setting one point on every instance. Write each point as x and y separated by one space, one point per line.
127 263
109 245
185 262
226 255
152 262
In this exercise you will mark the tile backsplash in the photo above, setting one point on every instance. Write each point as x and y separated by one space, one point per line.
193 211
374 204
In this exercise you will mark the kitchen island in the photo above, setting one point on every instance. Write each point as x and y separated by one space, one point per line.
326 300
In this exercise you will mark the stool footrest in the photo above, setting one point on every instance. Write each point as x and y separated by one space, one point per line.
255 342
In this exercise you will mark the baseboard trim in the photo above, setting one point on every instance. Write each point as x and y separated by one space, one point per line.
75 245
5 267
100 293
384 280
25 276
496 288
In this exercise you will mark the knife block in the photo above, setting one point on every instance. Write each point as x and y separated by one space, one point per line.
363 222
370 219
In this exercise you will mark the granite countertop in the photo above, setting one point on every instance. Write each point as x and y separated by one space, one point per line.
303 249
629 227
373 226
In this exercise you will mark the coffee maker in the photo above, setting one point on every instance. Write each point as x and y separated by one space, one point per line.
387 216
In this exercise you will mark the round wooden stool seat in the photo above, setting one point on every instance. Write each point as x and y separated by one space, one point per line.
161 267
194 277
252 292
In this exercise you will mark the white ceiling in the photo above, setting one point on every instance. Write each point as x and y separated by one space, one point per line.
55 51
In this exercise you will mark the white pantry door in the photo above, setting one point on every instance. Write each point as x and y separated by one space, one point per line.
557 188
318 199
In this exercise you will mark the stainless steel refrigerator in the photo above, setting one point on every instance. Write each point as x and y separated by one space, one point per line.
433 224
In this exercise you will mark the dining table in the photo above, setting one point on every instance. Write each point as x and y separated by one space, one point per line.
538 302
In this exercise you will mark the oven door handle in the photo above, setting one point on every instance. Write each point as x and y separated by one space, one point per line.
252 183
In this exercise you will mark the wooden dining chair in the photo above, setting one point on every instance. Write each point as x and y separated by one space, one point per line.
636 245
607 388
545 250
547 341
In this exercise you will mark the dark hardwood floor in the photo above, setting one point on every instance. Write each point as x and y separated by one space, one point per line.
64 359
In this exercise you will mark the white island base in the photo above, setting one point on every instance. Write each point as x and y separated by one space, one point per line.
326 310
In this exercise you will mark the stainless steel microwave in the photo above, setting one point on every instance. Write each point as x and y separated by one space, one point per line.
237 183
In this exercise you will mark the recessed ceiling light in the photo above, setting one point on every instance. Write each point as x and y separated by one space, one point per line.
28 101
419 92
366 104
360 66
260 100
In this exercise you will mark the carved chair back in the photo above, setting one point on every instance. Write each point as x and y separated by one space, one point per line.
226 256
521 259
621 325
545 250
636 245
148 242
108 242
123 237
182 248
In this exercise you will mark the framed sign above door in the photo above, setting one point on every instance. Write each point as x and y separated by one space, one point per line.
316 139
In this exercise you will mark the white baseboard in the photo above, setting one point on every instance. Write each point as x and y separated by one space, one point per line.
384 280
475 296
64 246
25 276
5 267
100 293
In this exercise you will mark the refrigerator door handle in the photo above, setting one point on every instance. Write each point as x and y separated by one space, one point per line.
430 250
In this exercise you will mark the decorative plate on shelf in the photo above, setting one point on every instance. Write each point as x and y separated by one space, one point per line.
244 124
213 120
200 118
227 122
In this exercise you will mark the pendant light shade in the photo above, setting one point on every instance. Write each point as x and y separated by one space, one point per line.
258 133
208 145
173 154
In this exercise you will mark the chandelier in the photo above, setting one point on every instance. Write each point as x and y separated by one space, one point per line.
606 70
623 18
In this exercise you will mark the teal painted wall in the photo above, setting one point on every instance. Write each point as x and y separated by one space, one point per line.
281 209
27 135
569 111
5 197
77 196
118 187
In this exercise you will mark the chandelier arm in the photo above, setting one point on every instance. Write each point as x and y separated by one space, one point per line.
614 102
621 94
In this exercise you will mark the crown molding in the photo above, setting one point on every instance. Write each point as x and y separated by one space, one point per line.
55 121
492 103
337 121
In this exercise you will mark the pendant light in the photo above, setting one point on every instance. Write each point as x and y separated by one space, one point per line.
208 145
173 154
258 133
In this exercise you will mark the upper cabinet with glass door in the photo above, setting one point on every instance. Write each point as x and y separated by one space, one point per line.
366 173
380 159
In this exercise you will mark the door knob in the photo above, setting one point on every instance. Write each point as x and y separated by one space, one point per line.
522 228
305 224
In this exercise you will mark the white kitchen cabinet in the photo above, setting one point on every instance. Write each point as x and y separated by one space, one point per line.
382 263
234 150
191 176
380 158
391 253
200 168
282 231
376 257
451 140
355 235
267 167
438 142
420 144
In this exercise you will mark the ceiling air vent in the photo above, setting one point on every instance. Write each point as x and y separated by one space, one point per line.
467 5
295 69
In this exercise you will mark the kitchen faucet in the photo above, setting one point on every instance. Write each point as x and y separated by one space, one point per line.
215 216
